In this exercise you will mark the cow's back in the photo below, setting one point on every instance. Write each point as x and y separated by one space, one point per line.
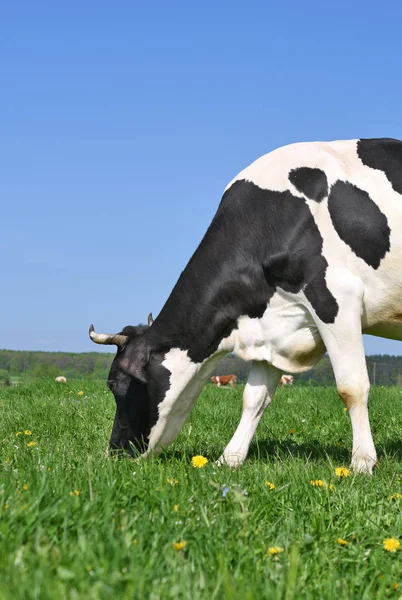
352 191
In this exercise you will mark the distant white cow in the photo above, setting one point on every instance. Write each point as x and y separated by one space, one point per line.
286 380
61 379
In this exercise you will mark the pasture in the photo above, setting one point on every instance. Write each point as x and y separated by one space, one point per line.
74 524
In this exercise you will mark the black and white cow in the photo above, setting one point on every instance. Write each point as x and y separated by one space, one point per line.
303 255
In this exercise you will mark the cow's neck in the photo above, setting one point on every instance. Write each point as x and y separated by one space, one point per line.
223 281
219 285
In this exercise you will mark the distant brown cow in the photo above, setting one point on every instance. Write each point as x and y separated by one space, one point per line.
224 380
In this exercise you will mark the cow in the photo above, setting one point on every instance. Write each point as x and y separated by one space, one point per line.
286 380
61 379
224 380
303 255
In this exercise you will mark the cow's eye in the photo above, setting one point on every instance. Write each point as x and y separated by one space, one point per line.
111 384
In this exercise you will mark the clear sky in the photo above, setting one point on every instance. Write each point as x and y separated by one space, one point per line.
122 122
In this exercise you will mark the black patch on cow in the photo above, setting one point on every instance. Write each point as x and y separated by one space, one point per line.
310 182
385 155
359 222
258 241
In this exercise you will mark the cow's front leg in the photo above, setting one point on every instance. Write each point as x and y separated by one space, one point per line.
258 393
344 343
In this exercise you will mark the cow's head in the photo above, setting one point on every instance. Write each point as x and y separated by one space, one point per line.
137 380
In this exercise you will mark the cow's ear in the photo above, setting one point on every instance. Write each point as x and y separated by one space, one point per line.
135 361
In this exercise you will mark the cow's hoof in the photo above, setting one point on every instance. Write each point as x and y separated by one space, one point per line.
363 464
231 460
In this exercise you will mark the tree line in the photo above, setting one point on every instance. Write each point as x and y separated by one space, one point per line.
27 366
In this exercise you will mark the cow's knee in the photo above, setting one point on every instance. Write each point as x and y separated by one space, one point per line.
354 394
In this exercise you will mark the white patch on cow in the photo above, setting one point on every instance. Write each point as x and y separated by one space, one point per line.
286 336
186 381
271 171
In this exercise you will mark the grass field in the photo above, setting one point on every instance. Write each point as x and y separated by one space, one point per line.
74 524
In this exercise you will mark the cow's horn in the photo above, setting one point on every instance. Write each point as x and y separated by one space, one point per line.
110 339
150 319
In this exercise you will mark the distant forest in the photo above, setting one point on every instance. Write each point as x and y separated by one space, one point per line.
28 366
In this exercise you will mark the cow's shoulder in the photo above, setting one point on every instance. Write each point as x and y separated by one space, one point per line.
280 232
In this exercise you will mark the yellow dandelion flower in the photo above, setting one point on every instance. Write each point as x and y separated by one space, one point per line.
49 468
270 485
6 506
345 409
28 432
18 433
176 508
179 545
273 550
172 481
80 393
395 496
75 493
318 482
391 544
199 461
291 431
135 542
25 486
31 444
342 542
322 484
394 586
342 472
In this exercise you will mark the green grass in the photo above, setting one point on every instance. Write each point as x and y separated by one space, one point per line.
114 539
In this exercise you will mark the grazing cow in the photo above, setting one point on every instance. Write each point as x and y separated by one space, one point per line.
224 380
303 255
286 380
61 379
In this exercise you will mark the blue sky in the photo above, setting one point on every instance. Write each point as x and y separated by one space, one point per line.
121 124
